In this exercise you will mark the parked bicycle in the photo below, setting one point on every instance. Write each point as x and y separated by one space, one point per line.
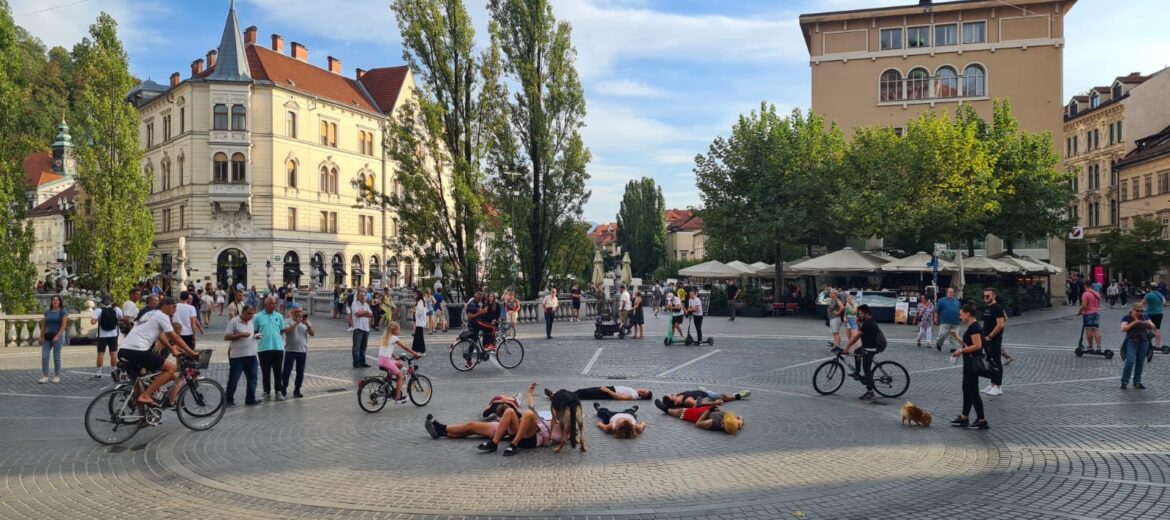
115 415
890 379
467 351
374 391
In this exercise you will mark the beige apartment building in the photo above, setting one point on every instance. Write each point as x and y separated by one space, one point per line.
1148 162
1101 127
685 238
253 159
886 66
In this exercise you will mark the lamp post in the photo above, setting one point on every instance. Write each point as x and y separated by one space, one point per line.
515 191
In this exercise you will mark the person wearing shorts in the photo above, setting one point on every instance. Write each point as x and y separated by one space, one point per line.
709 418
834 313
437 429
1090 312
1155 303
599 393
677 311
702 396
622 425
528 430
107 338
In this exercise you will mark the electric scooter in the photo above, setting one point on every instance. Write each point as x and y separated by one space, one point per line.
1081 350
691 341
670 339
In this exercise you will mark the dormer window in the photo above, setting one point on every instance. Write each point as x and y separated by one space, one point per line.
1072 109
1117 90
1094 100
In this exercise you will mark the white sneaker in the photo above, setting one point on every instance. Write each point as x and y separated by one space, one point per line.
56 379
987 390
995 391
43 380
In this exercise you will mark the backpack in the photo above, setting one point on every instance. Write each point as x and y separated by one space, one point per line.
109 318
881 341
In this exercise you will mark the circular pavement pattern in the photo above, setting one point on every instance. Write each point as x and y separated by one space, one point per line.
1064 443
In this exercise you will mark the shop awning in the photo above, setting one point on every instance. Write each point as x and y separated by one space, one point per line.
357 272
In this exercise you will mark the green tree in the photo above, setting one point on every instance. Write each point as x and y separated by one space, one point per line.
1139 253
114 228
541 141
17 273
774 181
641 226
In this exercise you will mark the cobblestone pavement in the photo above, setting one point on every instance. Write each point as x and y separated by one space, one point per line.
1065 441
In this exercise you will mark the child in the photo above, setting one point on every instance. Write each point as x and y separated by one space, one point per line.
386 358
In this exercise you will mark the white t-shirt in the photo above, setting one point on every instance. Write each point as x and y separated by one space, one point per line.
102 333
143 335
626 391
626 304
622 417
220 296
677 304
130 310
387 351
183 314
551 302
360 323
420 313
245 346
208 301
697 304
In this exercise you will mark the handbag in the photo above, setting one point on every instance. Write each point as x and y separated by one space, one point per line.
984 367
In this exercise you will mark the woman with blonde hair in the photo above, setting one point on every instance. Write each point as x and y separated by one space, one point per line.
386 359
709 418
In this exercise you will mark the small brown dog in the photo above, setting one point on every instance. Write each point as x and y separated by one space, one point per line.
912 414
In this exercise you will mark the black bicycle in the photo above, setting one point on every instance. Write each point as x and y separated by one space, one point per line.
467 351
374 391
890 379
115 415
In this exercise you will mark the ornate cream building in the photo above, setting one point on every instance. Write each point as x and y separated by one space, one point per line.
252 160
51 178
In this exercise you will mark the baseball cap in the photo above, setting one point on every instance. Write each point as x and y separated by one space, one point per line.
239 287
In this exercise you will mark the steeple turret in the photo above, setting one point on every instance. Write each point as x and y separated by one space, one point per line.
232 63
63 161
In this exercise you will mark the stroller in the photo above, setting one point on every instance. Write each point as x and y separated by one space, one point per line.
607 325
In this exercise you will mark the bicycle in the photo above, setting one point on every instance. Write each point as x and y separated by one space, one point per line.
890 379
467 351
115 415
374 391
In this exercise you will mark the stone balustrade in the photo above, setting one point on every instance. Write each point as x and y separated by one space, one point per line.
531 311
24 330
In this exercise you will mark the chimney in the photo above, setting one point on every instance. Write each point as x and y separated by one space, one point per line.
196 68
211 54
924 3
174 79
334 65
250 35
300 52
358 73
278 43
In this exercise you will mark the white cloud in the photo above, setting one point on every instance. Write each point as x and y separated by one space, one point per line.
67 24
627 88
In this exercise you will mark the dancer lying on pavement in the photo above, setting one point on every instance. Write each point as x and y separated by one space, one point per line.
702 396
597 393
528 430
709 418
622 425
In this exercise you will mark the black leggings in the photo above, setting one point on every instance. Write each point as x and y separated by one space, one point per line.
995 359
971 391
271 368
605 414
698 326
593 393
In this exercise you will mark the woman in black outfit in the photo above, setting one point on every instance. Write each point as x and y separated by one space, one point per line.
973 346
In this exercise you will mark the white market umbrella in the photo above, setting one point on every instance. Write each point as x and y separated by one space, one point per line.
918 263
626 277
984 265
845 261
598 271
709 269
1023 265
766 270
1048 268
760 265
743 268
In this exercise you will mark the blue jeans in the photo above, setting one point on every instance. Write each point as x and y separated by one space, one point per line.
290 359
361 339
1135 359
248 367
55 347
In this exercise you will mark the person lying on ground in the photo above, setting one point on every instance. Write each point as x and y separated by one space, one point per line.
709 418
702 396
527 430
597 393
622 425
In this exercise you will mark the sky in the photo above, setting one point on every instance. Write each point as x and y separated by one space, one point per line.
662 78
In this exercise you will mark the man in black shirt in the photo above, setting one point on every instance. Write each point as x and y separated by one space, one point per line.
869 337
994 320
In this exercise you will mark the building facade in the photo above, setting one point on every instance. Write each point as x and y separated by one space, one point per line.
51 181
685 238
883 67
1148 165
254 163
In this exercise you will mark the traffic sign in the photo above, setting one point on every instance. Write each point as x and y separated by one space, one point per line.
1077 233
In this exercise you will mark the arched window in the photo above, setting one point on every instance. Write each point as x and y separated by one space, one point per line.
918 84
974 81
376 273
290 124
355 270
166 174
338 265
333 175
220 172
392 272
220 119
238 167
328 181
148 172
891 86
182 159
946 84
292 173
238 117
292 268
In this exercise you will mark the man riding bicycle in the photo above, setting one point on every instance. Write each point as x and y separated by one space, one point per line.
870 337
487 320
137 349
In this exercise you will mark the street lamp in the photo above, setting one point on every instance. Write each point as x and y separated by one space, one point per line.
515 191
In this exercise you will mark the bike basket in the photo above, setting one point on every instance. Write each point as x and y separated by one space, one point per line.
204 358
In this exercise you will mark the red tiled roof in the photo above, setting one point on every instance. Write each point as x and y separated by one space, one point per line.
1081 98
278 68
1133 77
52 205
1102 89
604 233
694 224
1148 147
384 84
38 169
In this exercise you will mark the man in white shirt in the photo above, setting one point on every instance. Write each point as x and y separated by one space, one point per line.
359 318
674 303
107 317
550 304
137 349
624 304
130 308
188 318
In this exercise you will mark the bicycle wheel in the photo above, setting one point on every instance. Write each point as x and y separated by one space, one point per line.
510 332
890 379
829 377
510 353
372 394
201 404
419 389
464 356
115 427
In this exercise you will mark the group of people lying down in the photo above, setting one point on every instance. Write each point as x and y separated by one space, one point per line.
504 420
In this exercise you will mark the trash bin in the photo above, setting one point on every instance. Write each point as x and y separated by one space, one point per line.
455 316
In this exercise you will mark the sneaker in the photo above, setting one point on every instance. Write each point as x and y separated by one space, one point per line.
349 329
280 396
429 424
995 391
660 405
489 446
980 425
96 375
987 390
297 394
596 406
43 380
267 397
868 396
57 379
1123 386
510 450
959 422
230 404
1139 386
254 403
743 394
703 389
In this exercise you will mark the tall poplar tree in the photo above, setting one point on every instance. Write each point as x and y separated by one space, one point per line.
17 273
641 225
115 227
544 118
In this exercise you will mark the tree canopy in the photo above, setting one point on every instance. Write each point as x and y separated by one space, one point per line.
641 226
